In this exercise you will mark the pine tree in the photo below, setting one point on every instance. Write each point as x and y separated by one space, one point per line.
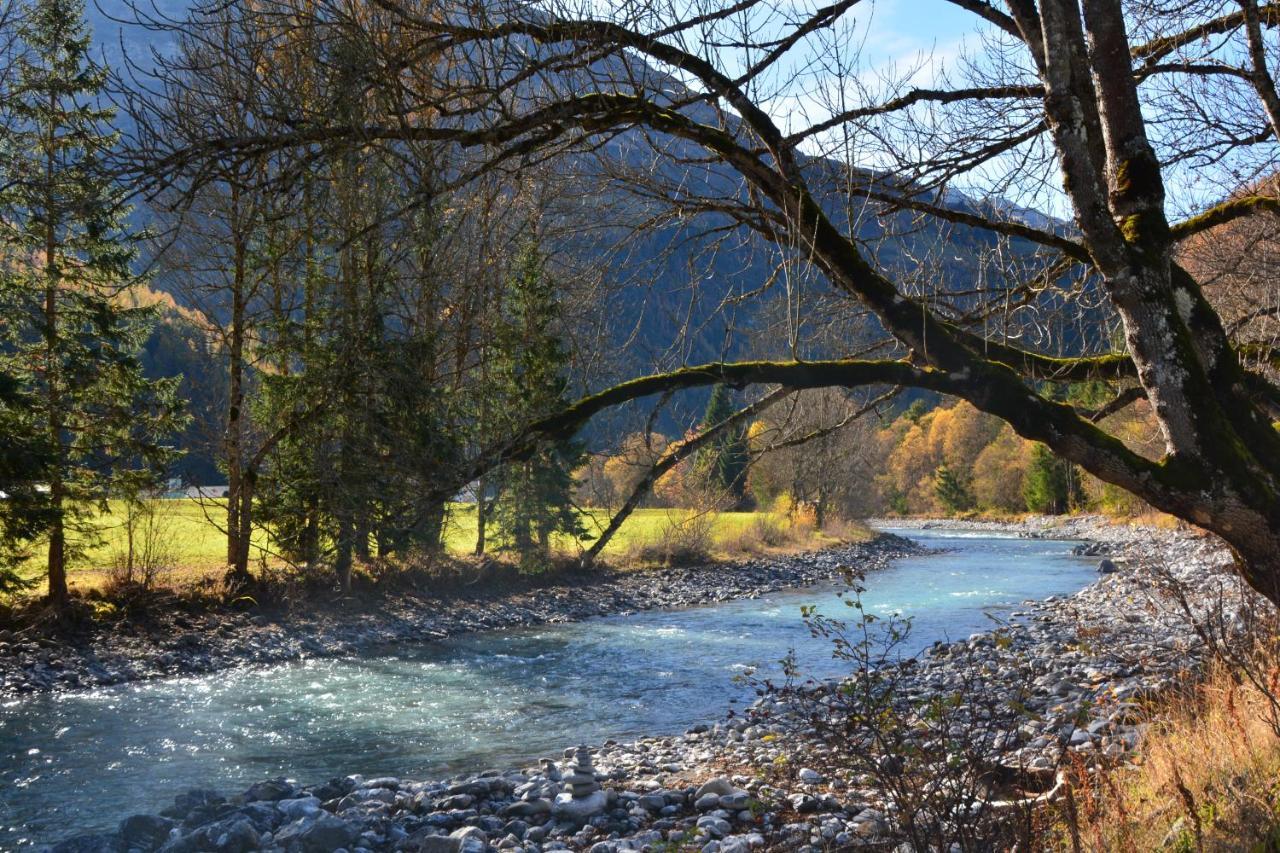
535 500
954 488
723 463
70 342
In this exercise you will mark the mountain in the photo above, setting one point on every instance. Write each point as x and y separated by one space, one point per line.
673 290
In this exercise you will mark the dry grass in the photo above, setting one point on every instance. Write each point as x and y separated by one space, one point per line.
1207 778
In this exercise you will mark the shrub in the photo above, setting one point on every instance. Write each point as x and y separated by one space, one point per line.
683 540
148 553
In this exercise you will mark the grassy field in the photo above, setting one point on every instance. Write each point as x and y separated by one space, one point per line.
186 537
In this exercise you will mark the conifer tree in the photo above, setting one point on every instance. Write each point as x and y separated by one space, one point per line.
70 341
723 464
1047 483
953 487
536 492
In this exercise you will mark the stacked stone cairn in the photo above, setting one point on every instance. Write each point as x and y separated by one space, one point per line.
582 798
581 777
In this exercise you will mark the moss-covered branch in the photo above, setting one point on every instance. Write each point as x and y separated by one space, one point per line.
1223 213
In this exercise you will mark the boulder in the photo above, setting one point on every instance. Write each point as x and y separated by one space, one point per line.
322 834
145 831
272 789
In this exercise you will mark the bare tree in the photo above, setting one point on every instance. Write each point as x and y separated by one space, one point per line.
756 112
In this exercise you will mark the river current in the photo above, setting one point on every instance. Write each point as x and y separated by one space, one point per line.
81 761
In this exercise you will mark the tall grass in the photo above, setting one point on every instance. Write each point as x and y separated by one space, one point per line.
1206 777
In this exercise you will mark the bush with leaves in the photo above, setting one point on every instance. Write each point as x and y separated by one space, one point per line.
942 763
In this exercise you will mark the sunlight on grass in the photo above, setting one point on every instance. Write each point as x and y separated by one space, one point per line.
193 535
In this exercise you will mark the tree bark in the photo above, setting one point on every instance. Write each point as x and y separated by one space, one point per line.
238 508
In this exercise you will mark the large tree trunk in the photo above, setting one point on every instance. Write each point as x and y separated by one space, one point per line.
237 506
59 594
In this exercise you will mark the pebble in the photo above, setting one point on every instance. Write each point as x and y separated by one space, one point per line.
1078 664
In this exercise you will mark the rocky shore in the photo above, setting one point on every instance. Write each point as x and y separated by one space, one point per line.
1076 663
191 644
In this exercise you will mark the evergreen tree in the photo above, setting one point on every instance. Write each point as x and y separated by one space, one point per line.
24 460
723 463
1047 483
954 488
535 500
69 341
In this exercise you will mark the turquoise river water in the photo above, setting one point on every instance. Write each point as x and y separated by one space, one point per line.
81 761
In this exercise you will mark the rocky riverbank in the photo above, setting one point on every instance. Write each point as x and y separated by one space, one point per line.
1075 666
190 644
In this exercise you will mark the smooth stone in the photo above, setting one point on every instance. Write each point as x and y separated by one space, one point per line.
317 835
718 786
527 808
579 809
707 802
299 808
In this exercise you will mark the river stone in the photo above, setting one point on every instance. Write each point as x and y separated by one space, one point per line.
272 789
334 788
470 839
233 835
299 808
579 810
652 802
718 786
321 834
735 801
717 827
145 831
527 808
185 803
707 802
440 844
741 843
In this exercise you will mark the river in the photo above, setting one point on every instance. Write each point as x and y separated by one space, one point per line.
79 762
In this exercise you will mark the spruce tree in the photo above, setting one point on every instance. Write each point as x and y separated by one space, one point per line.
723 463
953 487
1046 485
535 500
70 342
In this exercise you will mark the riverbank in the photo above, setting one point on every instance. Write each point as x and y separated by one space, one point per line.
1076 665
195 643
